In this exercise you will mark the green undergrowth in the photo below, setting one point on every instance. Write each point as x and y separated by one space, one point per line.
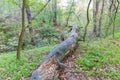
101 58
16 69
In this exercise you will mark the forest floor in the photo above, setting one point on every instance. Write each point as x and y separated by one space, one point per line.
94 60
74 73
97 60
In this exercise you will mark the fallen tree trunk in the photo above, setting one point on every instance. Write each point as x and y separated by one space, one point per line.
48 69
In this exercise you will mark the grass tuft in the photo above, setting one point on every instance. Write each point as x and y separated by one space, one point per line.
101 58
16 69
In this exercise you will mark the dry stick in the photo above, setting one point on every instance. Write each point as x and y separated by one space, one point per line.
88 20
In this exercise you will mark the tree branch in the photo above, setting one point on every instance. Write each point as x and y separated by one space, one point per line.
41 9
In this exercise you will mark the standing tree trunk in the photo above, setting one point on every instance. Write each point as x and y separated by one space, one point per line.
95 15
70 11
31 30
100 20
116 10
55 12
22 31
110 16
88 20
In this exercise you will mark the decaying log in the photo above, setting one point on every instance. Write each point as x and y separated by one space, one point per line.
48 68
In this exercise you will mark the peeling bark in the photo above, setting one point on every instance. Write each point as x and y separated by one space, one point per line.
48 69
